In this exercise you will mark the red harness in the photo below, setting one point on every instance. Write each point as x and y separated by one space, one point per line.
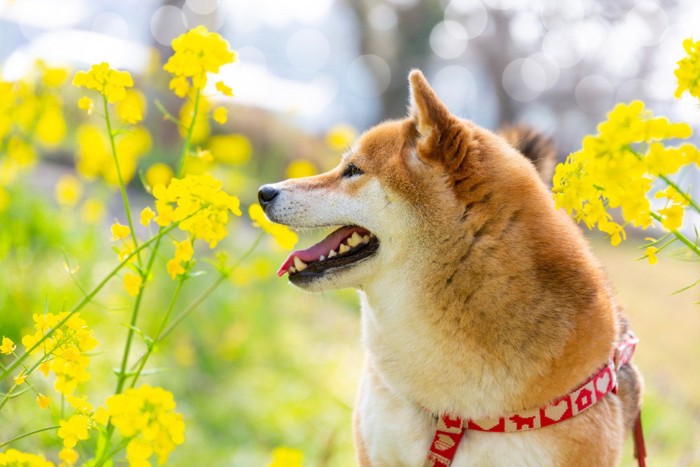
450 430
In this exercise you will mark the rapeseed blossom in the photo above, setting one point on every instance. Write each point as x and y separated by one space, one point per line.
7 346
183 255
65 349
94 155
340 137
109 82
286 457
220 115
199 204
13 457
196 53
74 429
284 237
147 416
616 169
688 71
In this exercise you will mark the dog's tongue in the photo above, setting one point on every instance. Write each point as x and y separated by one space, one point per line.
322 248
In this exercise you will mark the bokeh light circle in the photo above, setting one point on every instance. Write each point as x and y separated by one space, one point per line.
472 14
456 87
112 24
203 7
382 17
449 39
594 94
308 50
369 66
516 76
167 23
647 22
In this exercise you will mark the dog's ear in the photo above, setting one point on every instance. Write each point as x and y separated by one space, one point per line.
430 116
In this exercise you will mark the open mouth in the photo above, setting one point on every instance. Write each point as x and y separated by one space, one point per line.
342 248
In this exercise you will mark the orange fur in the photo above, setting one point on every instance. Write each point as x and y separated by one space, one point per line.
483 299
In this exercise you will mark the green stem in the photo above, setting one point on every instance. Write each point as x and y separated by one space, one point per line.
84 301
166 318
121 379
17 438
188 137
27 372
211 289
692 246
122 186
168 115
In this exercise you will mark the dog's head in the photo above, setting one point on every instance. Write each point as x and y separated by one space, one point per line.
406 187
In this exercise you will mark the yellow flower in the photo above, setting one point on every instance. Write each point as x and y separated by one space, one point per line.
281 233
180 86
196 53
52 77
132 108
50 125
68 344
672 217
147 216
45 367
119 231
159 174
132 283
688 71
199 204
109 82
286 457
20 378
86 104
15 458
340 137
183 250
616 168
220 115
92 211
231 149
201 128
650 254
43 401
223 89
73 430
147 415
94 155
68 456
301 168
174 268
101 416
68 191
7 346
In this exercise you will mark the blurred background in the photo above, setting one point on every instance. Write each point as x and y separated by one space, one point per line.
263 365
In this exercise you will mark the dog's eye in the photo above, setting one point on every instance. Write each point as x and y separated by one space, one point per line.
351 170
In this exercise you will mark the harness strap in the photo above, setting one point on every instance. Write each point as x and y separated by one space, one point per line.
450 429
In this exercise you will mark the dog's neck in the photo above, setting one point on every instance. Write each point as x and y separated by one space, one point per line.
451 331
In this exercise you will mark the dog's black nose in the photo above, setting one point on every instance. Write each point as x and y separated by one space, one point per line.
266 194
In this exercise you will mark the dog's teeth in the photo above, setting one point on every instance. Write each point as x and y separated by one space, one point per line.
292 270
365 239
322 258
332 253
354 240
299 264
343 248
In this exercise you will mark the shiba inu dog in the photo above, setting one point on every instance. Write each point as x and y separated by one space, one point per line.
479 299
